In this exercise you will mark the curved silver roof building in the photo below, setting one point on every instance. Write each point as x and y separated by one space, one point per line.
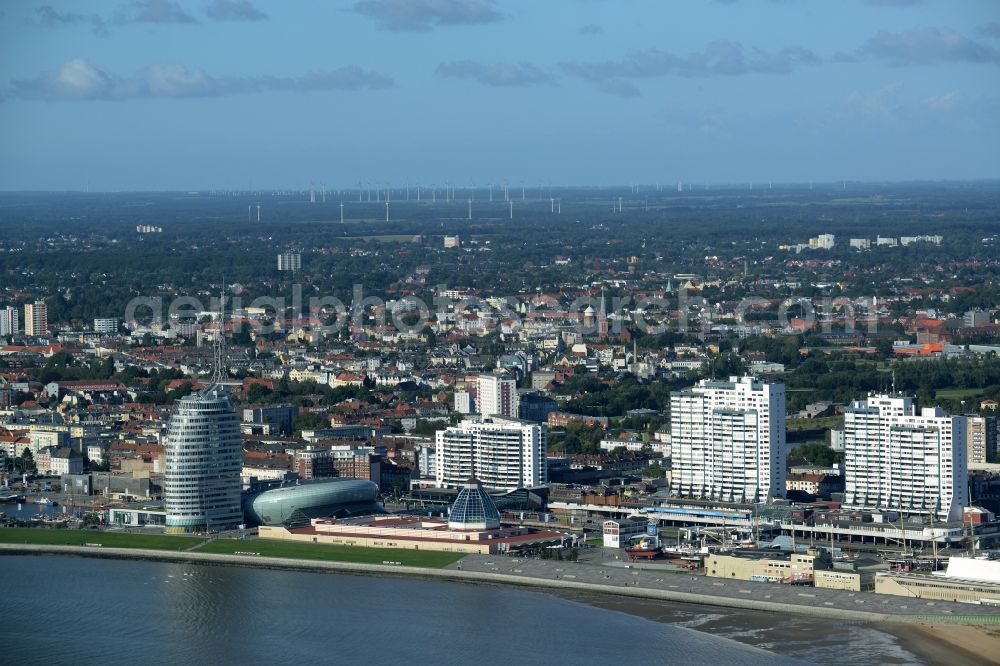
201 482
295 503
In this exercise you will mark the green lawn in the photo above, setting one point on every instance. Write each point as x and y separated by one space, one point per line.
958 393
794 425
71 537
312 551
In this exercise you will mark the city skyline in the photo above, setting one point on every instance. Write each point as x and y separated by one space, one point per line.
176 95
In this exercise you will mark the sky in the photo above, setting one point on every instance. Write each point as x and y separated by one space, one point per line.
238 94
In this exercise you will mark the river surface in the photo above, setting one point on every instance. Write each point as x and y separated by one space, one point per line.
70 610
27 511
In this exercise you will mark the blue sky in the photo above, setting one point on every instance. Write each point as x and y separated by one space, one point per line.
195 94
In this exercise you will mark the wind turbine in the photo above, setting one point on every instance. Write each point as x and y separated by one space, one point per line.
386 211
341 212
470 209
511 204
258 212
249 213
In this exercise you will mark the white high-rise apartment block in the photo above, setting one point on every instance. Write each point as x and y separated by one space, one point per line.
426 461
9 321
728 440
899 458
504 454
464 404
496 395
108 325
289 261
36 319
201 483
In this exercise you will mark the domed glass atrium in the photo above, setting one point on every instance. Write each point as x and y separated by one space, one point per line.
473 509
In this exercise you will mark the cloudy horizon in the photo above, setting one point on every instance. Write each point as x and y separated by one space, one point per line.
193 94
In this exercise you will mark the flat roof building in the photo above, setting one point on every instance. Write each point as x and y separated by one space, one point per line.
728 440
503 454
36 319
966 579
981 439
414 533
898 458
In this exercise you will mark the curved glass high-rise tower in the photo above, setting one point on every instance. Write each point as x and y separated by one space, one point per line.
201 487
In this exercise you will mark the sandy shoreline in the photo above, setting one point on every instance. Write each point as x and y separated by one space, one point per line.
956 645
953 645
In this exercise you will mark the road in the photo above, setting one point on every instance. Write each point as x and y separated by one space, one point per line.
655 576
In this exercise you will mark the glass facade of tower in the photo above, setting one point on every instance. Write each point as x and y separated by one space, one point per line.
201 486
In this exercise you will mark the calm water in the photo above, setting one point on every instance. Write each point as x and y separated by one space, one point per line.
28 511
65 610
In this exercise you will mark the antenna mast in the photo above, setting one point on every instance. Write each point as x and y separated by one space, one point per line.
219 344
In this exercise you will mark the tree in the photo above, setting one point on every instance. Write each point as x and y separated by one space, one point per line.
258 393
308 421
428 428
398 486
653 471
580 438
817 454
27 461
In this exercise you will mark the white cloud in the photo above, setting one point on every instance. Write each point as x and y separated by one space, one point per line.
423 15
152 11
945 102
499 74
880 104
80 80
234 10
921 46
